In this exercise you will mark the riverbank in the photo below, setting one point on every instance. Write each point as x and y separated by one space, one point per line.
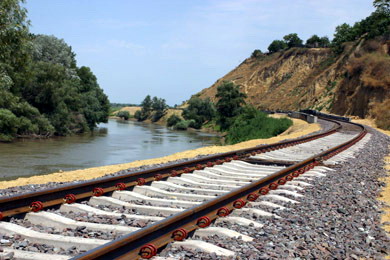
299 128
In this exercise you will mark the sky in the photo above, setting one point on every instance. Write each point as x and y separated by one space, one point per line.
172 49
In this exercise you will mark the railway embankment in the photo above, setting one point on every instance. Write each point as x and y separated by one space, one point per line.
338 216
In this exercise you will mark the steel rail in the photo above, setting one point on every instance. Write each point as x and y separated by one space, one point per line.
146 242
53 197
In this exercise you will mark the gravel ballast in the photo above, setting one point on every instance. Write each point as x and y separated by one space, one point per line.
338 218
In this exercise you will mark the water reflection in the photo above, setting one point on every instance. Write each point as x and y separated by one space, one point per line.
111 143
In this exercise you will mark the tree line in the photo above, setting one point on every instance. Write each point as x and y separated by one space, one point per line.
230 114
42 90
377 24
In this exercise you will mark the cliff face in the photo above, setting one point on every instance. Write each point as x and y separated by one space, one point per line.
352 83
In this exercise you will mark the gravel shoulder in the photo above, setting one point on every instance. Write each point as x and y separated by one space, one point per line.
339 217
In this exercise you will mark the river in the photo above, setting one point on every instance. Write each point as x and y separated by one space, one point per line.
111 143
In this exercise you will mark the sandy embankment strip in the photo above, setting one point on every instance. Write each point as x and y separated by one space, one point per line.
299 128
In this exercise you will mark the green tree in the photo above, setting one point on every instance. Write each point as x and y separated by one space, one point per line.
256 53
316 42
146 108
123 114
49 48
382 5
230 101
324 42
14 43
199 110
277 45
292 40
159 107
173 120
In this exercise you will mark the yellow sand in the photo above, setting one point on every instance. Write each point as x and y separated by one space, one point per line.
370 122
299 128
131 110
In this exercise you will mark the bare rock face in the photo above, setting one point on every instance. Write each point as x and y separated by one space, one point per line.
351 83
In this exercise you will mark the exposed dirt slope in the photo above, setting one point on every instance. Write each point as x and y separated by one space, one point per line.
356 82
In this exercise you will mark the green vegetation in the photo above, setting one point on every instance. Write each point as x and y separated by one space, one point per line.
200 111
230 101
173 120
123 114
377 24
151 108
183 124
42 91
277 45
159 107
253 124
256 53
292 40
317 42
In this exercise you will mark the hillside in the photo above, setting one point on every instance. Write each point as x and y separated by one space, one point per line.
355 82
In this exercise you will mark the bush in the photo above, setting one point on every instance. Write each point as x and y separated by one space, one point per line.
183 124
199 110
9 124
256 54
173 120
157 115
137 115
123 114
253 124
277 45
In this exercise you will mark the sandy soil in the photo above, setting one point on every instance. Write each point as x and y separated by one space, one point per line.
131 110
371 123
299 128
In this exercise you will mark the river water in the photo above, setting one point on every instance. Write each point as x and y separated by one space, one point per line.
111 143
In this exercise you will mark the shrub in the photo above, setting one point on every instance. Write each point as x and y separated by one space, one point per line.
183 124
123 114
137 115
173 120
9 124
256 54
199 110
253 124
277 45
157 115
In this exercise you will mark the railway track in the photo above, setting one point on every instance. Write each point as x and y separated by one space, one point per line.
135 216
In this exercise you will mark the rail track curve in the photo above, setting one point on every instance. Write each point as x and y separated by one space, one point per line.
212 188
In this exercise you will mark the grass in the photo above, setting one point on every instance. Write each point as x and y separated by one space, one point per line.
253 124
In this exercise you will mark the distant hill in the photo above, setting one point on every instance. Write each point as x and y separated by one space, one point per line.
355 82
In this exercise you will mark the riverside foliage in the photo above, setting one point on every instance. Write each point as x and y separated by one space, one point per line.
42 90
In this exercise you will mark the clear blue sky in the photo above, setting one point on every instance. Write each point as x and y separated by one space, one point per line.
174 48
